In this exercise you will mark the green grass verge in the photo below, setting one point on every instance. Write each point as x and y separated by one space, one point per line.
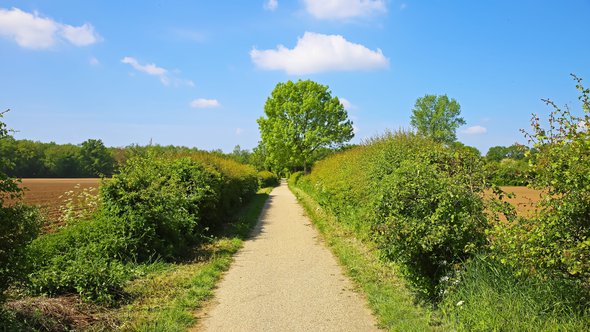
387 293
168 296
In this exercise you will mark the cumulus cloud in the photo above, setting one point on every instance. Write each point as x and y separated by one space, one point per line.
344 9
30 30
271 5
475 130
315 53
151 69
205 103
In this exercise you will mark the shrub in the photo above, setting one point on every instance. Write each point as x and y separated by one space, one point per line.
267 179
556 241
19 225
160 203
294 178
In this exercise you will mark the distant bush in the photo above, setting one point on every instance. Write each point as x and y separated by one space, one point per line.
294 177
509 172
267 179
419 200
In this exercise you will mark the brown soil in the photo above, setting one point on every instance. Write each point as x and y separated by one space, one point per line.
48 195
524 200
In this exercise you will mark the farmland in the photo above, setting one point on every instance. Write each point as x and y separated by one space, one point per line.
48 194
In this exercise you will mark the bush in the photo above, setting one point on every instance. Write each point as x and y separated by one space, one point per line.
294 178
267 179
154 209
556 241
160 204
19 225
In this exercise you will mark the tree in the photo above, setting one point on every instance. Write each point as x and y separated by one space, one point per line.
437 117
301 118
96 159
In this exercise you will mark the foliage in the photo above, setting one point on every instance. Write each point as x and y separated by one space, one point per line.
509 172
437 117
19 225
78 205
301 118
154 209
96 159
556 241
499 153
418 199
267 179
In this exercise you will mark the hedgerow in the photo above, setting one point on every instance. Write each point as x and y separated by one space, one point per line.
267 179
155 208
420 200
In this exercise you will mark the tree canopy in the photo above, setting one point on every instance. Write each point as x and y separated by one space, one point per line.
437 117
301 119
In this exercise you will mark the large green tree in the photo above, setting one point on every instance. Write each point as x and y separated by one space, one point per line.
96 160
437 117
301 118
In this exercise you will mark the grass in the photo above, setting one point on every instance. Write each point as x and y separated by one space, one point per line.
387 293
162 296
491 298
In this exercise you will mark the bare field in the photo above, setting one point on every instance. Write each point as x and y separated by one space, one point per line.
524 199
48 194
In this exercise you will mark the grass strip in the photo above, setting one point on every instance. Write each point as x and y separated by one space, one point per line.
167 297
388 295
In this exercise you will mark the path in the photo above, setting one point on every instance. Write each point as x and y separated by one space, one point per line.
285 279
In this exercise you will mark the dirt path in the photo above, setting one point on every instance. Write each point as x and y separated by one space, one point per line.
285 279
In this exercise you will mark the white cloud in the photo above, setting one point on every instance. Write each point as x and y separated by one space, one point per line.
205 103
36 32
93 61
239 131
152 69
271 5
475 130
315 53
344 9
347 105
80 36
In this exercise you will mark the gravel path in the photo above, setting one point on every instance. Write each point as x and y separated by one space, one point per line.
285 279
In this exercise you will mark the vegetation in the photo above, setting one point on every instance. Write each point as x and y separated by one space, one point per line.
19 225
29 159
437 117
388 295
419 200
510 165
422 204
301 119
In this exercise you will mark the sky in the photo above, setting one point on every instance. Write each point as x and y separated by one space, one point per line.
197 73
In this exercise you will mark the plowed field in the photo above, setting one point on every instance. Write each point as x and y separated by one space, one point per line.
48 194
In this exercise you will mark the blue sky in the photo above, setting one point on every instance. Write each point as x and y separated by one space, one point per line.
197 73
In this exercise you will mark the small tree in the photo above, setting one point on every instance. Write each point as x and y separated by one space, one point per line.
437 117
302 118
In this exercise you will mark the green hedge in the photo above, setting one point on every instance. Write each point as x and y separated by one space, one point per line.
153 209
419 200
267 179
